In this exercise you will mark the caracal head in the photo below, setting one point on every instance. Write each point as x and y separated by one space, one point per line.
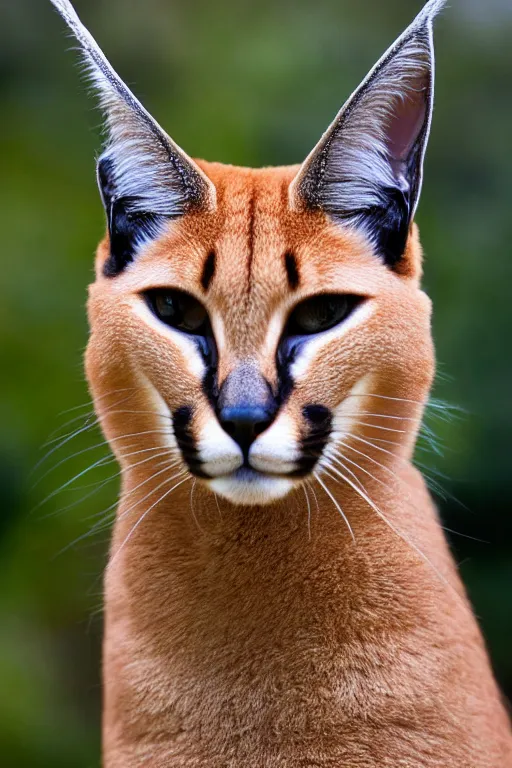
252 321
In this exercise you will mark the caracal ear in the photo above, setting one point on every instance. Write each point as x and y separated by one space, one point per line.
367 169
144 177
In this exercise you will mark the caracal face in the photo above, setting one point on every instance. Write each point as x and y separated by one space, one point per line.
254 270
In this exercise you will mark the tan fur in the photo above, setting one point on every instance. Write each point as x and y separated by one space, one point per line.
235 637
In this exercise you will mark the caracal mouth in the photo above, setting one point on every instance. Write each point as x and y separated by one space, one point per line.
248 486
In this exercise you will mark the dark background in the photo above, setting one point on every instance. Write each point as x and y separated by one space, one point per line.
251 83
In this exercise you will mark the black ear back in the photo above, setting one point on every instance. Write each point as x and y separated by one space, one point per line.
129 228
389 225
366 171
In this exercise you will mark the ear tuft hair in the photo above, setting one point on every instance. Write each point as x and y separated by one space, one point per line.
144 177
367 169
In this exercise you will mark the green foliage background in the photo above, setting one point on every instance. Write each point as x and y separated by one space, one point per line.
251 83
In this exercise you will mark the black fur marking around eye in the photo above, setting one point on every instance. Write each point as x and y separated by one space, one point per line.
319 420
208 349
286 354
181 422
292 270
208 271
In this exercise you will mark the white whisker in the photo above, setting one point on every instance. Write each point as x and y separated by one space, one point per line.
304 488
395 530
166 468
378 426
102 484
142 517
312 489
319 479
103 523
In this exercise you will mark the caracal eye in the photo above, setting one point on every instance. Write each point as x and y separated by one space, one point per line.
321 313
178 310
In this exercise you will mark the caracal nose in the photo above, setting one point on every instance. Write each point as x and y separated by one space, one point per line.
246 405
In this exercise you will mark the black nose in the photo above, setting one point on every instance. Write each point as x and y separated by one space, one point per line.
244 422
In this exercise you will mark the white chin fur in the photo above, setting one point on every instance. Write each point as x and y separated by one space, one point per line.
251 490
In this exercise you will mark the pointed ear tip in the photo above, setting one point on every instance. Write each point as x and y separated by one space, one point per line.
431 10
424 21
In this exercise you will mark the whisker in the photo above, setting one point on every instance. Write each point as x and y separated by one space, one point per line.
64 439
304 488
217 503
387 397
87 416
139 521
398 533
312 489
96 420
101 462
192 505
464 535
61 445
379 440
358 466
92 448
102 524
318 478
166 467
433 484
334 458
377 416
101 397
377 426
97 488
396 477
432 404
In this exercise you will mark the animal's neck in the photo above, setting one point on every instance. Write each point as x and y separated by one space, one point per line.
219 615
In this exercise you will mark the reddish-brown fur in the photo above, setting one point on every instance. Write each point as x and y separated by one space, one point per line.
234 635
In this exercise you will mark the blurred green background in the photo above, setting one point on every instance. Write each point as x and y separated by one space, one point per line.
251 83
